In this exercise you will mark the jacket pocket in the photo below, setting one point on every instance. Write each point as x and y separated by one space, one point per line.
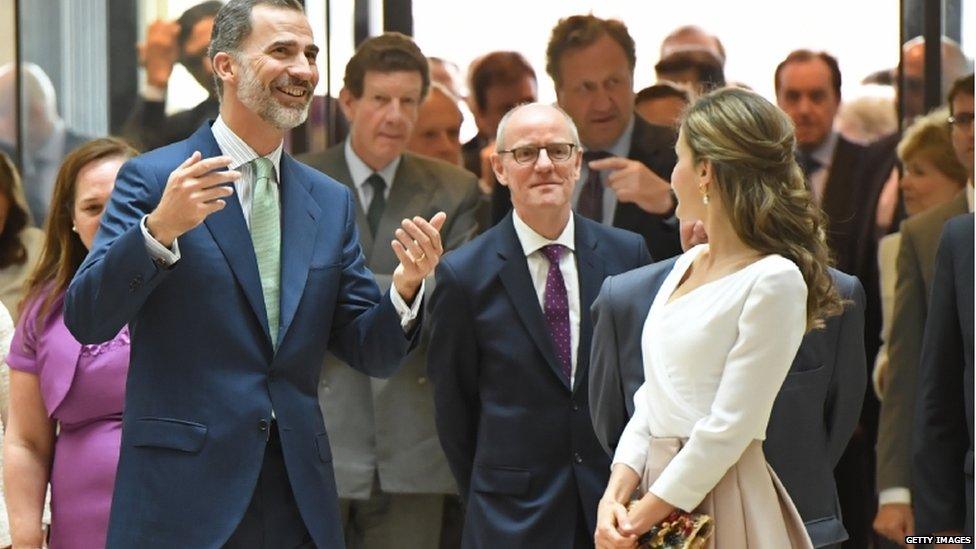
501 480
325 450
804 378
174 434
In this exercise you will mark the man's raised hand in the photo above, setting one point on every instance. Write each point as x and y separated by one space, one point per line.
193 191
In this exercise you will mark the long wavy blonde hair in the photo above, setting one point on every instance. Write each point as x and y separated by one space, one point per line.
750 145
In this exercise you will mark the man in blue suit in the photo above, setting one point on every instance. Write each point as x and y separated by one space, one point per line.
234 283
943 442
813 417
510 342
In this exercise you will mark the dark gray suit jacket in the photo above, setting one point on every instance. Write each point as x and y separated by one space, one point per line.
943 441
386 426
813 416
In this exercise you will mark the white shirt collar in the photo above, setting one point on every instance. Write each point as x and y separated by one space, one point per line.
532 241
360 172
240 152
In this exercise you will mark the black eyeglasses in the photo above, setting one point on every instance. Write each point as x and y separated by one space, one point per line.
557 152
962 119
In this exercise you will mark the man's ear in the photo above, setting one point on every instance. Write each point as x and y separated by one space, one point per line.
225 67
496 166
346 103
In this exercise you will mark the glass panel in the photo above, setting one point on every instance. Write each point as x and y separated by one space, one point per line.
8 110
64 87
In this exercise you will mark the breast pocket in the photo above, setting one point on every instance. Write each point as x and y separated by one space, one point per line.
804 379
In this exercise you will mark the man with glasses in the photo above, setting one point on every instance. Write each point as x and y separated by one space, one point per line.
183 41
510 346
915 274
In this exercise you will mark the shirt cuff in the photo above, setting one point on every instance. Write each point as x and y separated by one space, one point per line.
896 494
161 255
408 313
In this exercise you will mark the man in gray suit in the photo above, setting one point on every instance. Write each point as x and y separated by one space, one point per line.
813 416
916 269
390 470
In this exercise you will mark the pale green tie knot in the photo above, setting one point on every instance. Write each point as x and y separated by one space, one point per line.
266 237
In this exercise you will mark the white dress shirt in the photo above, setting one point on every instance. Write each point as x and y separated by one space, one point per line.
532 244
360 172
242 154
714 360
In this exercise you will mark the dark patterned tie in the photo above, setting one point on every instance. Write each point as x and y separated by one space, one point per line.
377 204
590 202
556 308
807 163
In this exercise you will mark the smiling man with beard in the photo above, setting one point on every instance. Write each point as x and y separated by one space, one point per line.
234 283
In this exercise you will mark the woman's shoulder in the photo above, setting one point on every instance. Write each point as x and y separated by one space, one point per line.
779 272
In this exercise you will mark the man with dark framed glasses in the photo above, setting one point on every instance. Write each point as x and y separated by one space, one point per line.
528 154
510 344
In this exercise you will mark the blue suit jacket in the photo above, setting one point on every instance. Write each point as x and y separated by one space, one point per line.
204 377
813 416
943 440
518 438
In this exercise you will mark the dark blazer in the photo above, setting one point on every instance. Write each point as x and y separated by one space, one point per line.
387 425
204 376
518 438
943 440
653 146
149 127
813 415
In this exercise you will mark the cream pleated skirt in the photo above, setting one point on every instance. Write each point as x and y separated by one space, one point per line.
749 507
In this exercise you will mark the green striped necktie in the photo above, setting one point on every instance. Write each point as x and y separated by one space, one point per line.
266 236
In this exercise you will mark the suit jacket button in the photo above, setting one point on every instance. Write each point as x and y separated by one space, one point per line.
421 380
577 458
575 406
263 425
135 283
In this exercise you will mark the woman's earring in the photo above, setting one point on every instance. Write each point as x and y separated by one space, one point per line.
704 191
74 228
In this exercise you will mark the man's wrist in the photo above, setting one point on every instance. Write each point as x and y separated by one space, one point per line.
161 235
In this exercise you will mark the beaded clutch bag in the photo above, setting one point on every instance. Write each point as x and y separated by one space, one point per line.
680 530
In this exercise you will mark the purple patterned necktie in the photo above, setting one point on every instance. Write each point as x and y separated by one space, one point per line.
557 308
590 202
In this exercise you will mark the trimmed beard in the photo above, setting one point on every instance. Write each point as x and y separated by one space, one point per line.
257 97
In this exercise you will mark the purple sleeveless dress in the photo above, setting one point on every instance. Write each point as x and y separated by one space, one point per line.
83 388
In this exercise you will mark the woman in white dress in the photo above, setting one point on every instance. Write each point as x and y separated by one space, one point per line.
721 334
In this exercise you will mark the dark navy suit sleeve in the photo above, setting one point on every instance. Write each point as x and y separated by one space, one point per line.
608 410
118 275
940 432
452 366
365 335
845 393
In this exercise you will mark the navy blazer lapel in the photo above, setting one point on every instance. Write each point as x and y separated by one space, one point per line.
229 230
298 220
592 271
518 283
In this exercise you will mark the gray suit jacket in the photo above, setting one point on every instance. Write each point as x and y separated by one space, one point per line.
813 416
915 267
387 425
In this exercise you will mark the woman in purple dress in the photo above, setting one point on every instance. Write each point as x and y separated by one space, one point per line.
65 398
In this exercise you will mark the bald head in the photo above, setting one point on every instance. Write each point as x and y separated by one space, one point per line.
536 112
39 97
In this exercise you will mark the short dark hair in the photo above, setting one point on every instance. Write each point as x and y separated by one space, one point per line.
496 68
194 15
233 24
388 52
579 31
962 85
660 91
803 56
709 70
